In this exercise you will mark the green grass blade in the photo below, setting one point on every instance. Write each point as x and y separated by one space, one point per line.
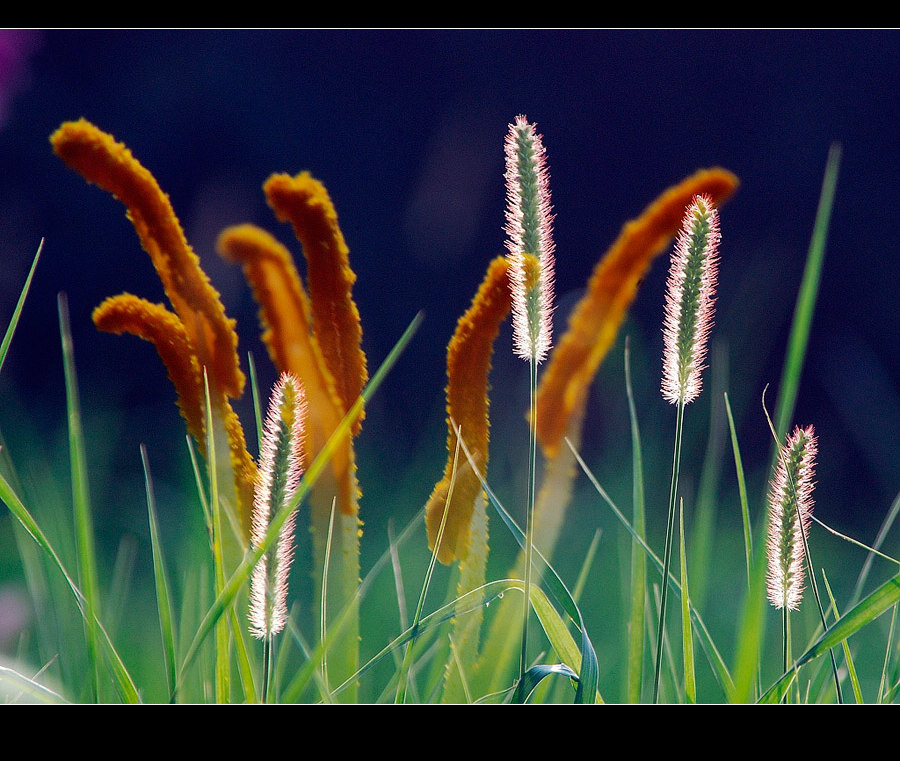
240 575
257 401
17 312
806 298
687 637
310 669
242 656
865 611
558 634
161 580
638 560
201 490
742 489
535 675
586 565
81 501
709 646
406 665
887 656
124 683
751 629
879 540
323 615
16 688
589 674
705 509
851 667
477 598
223 660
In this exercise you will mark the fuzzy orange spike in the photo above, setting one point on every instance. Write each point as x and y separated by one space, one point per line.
97 157
468 365
304 202
284 313
126 313
596 319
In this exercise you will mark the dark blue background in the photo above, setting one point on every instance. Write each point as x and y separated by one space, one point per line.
406 130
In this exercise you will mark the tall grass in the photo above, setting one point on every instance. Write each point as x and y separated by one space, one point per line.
598 614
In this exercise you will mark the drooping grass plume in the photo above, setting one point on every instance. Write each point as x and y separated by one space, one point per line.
790 510
690 297
286 318
690 300
304 202
468 367
595 320
465 527
97 157
127 313
198 334
575 359
529 225
318 339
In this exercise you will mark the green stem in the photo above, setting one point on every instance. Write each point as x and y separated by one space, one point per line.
529 526
267 667
667 561
786 638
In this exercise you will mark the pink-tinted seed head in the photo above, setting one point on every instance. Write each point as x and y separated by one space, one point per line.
529 227
790 508
690 302
279 473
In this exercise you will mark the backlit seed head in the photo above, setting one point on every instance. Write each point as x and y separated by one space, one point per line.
690 301
790 507
280 469
529 225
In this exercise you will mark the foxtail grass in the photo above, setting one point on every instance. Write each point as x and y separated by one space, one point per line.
203 647
529 227
690 298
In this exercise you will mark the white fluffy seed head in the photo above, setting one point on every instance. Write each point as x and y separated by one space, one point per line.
529 225
690 302
279 473
790 508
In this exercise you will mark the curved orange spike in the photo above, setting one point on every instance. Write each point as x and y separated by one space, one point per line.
127 313
284 313
304 202
97 157
596 319
468 365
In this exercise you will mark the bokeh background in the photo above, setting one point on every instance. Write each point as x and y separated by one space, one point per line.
406 129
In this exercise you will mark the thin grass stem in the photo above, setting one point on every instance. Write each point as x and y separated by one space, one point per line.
81 500
405 667
638 561
851 667
163 593
323 614
268 671
887 656
529 524
670 527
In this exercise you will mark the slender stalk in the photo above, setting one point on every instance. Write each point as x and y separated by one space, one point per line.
81 500
402 679
529 524
323 618
267 667
786 638
667 560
